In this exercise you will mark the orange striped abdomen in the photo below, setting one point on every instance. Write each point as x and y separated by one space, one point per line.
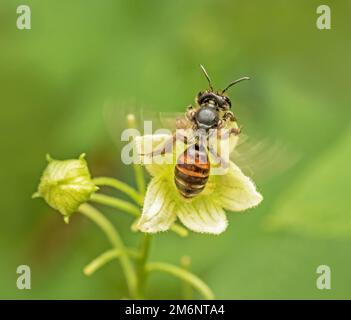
192 171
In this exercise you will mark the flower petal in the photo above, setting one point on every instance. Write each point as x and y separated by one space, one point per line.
235 191
145 145
158 211
202 215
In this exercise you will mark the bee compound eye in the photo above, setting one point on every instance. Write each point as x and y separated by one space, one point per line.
227 100
199 97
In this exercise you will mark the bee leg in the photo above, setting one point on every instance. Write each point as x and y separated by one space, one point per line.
190 114
224 164
168 146
220 124
235 131
180 137
225 134
229 115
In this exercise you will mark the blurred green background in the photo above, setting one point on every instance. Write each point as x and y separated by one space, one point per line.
57 78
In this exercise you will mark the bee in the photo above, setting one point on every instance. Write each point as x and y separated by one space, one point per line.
211 112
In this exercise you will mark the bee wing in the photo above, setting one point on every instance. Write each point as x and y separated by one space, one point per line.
147 122
115 115
174 120
116 119
156 127
169 121
263 159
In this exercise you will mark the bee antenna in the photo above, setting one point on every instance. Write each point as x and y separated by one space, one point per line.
207 76
235 82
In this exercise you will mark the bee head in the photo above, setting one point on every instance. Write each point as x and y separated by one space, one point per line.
217 99
213 99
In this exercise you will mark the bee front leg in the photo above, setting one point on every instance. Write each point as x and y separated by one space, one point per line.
223 133
168 146
235 131
229 115
190 114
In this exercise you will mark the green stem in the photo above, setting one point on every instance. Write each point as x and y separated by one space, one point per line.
121 186
104 258
115 203
138 170
141 262
184 275
139 178
101 260
187 289
145 242
113 236
179 230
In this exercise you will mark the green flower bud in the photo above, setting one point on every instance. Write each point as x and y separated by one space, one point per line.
66 184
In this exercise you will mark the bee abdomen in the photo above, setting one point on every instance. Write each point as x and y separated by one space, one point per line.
191 178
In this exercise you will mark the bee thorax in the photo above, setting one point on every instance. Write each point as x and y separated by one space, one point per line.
206 117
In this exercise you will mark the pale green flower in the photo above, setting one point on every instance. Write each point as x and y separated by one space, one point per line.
66 184
232 191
